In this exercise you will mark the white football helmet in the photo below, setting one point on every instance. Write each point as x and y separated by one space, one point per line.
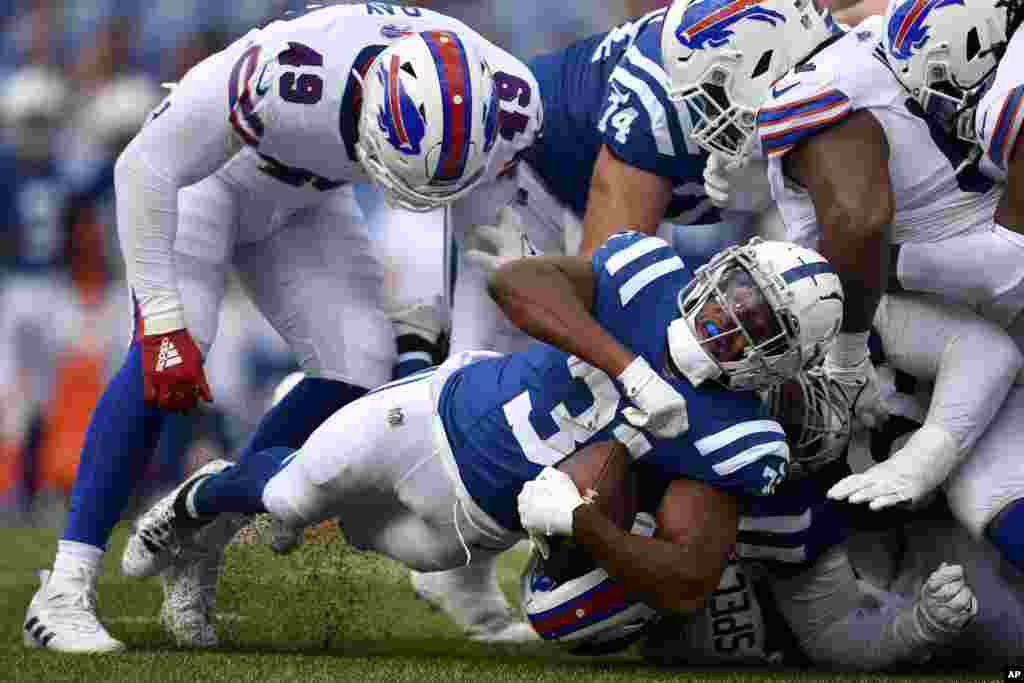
943 52
33 103
817 417
429 119
589 613
722 57
755 315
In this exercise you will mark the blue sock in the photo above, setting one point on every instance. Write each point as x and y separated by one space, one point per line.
299 413
239 488
414 354
1007 533
119 443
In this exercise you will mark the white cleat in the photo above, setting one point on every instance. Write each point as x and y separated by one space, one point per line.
945 605
62 617
159 535
483 614
190 593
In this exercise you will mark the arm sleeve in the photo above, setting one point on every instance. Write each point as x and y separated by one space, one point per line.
972 361
841 623
186 139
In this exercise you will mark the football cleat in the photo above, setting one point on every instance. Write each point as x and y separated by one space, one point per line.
484 616
62 617
161 533
284 538
190 587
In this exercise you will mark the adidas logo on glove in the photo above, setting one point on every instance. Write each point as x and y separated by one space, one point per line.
168 356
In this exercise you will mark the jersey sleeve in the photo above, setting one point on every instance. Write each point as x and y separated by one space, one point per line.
625 266
806 102
999 125
746 453
639 123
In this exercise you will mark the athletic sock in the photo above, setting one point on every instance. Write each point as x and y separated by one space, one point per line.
236 489
1007 533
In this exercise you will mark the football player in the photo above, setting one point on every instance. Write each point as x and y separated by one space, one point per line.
248 164
915 611
451 467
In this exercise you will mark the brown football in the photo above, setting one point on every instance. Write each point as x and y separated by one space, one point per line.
603 468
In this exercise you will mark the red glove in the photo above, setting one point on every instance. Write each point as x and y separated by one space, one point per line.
172 371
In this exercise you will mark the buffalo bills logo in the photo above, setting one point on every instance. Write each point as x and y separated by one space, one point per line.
709 23
399 117
907 30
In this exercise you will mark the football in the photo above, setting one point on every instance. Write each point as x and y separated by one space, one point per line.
602 468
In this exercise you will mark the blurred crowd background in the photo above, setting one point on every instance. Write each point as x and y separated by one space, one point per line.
77 77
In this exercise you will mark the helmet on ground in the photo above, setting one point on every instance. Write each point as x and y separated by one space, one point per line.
755 315
943 52
429 119
722 57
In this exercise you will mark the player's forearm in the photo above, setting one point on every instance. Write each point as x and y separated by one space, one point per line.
543 301
839 626
666 576
858 251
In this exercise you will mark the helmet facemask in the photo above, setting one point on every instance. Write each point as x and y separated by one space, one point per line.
738 318
949 103
816 415
721 124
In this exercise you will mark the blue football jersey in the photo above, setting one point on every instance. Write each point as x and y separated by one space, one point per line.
507 418
611 89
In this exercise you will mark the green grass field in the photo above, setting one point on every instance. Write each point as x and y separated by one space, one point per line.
325 613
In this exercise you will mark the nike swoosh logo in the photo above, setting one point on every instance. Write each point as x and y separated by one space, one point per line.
261 91
779 93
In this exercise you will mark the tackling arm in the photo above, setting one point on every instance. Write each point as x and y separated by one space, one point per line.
622 197
678 568
1010 212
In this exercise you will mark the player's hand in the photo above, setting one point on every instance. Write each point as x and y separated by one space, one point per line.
172 371
907 476
660 409
717 180
945 605
491 246
547 503
860 384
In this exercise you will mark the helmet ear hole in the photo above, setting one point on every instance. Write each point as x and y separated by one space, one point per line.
973 44
762 64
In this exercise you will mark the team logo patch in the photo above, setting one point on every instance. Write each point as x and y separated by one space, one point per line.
399 117
395 31
709 23
907 31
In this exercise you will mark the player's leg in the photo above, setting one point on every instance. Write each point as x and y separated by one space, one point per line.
318 283
986 493
122 437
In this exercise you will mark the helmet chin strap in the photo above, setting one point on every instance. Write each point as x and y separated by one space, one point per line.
689 356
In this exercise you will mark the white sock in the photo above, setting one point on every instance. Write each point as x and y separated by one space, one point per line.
72 556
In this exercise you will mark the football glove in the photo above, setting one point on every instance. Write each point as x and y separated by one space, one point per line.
945 605
861 385
491 246
172 370
546 504
660 409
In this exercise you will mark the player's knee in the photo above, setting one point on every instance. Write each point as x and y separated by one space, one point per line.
293 498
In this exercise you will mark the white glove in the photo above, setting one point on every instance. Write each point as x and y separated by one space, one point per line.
738 186
907 476
860 384
717 181
491 246
660 409
946 604
547 503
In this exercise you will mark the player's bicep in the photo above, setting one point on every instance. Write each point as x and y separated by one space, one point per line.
1010 213
188 136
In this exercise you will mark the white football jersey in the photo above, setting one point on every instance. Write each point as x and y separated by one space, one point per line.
1000 114
292 96
938 190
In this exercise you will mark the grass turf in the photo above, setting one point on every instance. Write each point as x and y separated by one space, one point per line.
325 613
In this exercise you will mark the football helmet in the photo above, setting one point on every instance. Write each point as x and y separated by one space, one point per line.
817 417
943 51
583 609
722 56
755 315
33 103
429 119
